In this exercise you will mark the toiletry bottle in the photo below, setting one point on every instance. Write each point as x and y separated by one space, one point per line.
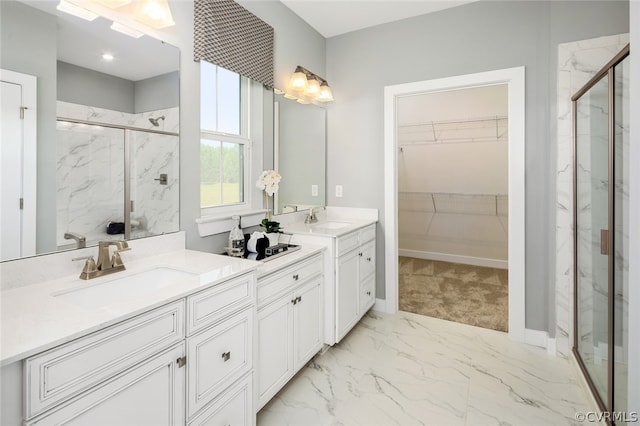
236 238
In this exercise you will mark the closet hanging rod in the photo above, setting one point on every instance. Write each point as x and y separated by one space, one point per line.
460 121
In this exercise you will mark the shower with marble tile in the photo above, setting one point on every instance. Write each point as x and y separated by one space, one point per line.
453 205
116 168
601 123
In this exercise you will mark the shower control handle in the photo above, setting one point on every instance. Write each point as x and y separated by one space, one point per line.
163 178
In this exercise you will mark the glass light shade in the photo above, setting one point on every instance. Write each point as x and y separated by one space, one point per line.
113 4
313 87
154 13
77 11
325 95
298 81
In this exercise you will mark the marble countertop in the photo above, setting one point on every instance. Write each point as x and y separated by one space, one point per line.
34 320
270 266
328 227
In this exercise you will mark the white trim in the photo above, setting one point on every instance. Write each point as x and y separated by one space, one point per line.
515 78
29 84
380 305
455 258
536 338
212 225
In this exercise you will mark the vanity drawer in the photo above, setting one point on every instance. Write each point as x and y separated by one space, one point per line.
346 243
367 234
282 281
67 370
234 407
211 305
217 357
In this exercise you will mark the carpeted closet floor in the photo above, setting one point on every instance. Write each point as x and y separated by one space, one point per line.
466 294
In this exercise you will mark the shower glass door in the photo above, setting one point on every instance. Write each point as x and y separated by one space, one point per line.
601 216
592 209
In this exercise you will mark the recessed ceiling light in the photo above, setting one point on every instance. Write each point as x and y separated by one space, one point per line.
107 56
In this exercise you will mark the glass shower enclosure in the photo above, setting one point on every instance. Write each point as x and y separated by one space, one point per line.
601 239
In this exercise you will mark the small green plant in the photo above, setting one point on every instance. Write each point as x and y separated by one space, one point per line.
270 226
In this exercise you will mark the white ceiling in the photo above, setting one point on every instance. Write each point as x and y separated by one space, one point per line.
334 17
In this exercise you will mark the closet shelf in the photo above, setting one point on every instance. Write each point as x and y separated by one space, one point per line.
485 129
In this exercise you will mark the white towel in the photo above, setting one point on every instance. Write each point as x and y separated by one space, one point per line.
253 241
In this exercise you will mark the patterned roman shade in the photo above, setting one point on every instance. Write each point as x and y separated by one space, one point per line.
228 35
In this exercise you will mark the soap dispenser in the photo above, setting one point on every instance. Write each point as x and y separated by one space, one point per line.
236 239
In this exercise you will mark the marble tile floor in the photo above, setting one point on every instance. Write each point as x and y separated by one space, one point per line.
407 369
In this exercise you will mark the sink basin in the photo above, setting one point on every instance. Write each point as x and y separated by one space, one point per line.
116 289
330 225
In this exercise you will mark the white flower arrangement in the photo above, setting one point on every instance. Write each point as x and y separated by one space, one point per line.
269 182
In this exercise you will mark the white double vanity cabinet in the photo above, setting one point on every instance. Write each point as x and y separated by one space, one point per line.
181 337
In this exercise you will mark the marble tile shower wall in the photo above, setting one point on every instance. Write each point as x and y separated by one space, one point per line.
577 64
90 172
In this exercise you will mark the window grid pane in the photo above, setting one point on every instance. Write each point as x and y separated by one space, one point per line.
221 173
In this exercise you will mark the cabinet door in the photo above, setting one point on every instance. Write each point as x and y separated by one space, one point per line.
151 393
217 357
347 288
367 294
367 260
275 347
307 323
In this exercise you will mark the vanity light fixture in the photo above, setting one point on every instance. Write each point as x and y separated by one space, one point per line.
107 57
126 30
306 87
154 13
77 11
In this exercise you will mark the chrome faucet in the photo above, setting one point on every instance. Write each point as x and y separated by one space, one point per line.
311 217
107 263
81 241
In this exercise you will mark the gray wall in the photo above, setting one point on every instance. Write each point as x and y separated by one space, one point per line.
30 49
472 38
83 86
88 87
159 92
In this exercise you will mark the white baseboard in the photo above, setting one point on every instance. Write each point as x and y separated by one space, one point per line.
454 258
381 306
541 339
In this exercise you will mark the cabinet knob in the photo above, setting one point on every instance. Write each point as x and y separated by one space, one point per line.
368 293
360 254
368 259
299 298
295 277
226 356
294 301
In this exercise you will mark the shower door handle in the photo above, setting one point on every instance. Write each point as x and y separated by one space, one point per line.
604 242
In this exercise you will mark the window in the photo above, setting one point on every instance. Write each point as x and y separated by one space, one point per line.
224 137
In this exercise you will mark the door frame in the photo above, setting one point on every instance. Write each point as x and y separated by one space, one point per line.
515 80
28 84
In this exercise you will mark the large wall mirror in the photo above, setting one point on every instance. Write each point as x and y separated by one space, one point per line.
105 161
299 155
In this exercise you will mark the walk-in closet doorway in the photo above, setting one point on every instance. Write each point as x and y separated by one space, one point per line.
514 80
453 205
